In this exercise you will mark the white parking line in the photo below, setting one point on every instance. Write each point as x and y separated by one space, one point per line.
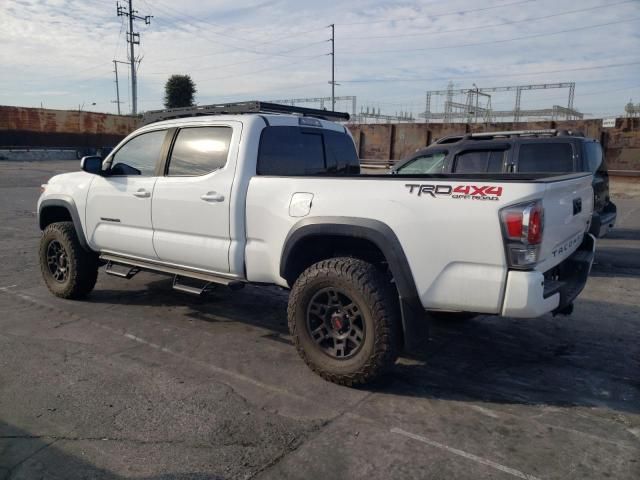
7 287
461 453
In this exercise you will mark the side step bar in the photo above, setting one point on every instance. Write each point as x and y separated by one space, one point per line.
181 286
127 272
132 266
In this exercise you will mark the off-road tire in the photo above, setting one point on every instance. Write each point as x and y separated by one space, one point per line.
375 296
82 265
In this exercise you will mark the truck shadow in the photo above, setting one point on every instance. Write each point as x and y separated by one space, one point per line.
561 361
616 262
623 234
589 359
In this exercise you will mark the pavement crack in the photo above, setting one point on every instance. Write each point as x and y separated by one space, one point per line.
296 443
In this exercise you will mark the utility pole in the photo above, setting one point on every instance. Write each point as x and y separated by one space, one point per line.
117 100
133 38
115 65
333 67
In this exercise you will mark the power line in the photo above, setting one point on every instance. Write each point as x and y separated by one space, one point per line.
182 16
546 34
209 67
208 22
437 15
268 68
483 27
595 67
243 62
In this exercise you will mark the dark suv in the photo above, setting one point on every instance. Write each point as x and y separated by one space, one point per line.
527 151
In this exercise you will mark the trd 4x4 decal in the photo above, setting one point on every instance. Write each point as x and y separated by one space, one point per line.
466 192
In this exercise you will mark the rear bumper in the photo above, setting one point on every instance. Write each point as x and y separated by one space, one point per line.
604 221
532 294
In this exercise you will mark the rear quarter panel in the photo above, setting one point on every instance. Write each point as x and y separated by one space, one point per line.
453 243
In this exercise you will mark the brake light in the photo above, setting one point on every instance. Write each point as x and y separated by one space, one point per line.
513 222
534 236
522 227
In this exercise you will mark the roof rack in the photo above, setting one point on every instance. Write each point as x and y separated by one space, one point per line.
239 108
517 133
550 132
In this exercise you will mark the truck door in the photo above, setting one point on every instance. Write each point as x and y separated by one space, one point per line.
190 208
118 213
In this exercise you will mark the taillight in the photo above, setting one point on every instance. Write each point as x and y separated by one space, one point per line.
522 227
513 222
534 235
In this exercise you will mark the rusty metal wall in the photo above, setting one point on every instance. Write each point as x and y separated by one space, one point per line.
397 141
38 127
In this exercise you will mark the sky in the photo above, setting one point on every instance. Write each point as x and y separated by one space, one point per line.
59 53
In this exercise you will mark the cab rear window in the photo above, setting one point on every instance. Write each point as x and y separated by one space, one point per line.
545 158
294 151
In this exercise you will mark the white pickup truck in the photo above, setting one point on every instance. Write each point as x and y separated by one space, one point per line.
278 198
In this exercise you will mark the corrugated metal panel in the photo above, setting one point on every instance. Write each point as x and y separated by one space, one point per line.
64 121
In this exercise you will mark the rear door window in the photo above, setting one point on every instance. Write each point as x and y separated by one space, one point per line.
553 157
479 161
199 150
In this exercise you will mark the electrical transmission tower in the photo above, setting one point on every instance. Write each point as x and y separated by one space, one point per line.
378 117
472 110
133 39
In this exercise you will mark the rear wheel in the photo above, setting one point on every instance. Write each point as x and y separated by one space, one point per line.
68 270
344 320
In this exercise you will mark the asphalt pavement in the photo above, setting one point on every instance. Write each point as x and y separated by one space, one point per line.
142 382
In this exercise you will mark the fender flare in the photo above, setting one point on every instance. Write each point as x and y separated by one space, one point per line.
66 202
413 315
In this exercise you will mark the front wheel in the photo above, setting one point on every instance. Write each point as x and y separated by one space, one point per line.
68 270
343 318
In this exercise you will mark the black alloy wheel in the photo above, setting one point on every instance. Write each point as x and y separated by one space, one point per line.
335 323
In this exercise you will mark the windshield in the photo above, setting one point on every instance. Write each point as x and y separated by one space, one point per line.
431 163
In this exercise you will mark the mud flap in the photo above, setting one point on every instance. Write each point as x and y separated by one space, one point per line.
415 324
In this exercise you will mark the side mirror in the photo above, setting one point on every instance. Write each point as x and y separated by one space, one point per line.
91 164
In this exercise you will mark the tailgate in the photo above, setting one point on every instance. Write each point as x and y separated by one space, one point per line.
568 206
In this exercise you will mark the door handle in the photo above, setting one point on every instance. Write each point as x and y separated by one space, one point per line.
142 193
212 197
577 205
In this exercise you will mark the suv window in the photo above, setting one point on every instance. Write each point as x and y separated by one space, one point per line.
431 163
545 157
305 151
199 150
479 161
139 155
593 156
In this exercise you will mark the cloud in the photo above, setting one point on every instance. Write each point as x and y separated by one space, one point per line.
60 52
